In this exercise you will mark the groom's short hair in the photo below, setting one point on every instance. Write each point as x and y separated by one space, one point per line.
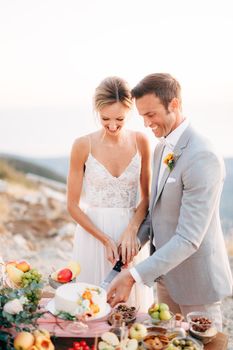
162 85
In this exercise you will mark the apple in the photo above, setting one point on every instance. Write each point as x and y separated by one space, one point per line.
23 266
129 344
110 338
163 306
64 275
137 331
74 267
154 307
102 345
14 274
165 315
155 315
23 341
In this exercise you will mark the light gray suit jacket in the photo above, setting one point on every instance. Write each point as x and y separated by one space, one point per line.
184 222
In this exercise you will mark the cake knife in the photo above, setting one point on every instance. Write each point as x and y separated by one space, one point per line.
112 274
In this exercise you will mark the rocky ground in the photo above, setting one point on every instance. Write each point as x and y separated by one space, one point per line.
35 226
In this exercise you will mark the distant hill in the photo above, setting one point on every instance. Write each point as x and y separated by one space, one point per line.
59 165
27 165
57 169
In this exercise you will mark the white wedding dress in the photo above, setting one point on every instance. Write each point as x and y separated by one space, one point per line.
110 203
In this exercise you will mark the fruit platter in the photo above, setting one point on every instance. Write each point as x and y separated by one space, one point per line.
26 323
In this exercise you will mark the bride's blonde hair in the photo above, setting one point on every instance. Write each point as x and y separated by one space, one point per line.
112 90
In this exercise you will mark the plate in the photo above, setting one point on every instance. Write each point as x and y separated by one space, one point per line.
197 343
51 308
55 284
205 337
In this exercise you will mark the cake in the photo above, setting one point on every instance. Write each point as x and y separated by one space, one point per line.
80 299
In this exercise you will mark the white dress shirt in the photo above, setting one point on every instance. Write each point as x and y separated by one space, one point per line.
170 142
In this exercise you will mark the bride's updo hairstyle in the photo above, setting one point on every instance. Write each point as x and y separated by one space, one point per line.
112 90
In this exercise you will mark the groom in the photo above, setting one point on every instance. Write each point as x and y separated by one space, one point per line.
188 256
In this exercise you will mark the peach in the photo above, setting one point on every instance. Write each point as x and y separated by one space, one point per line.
94 308
43 343
41 331
23 266
23 341
12 262
64 275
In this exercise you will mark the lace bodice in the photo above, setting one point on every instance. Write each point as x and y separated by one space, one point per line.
102 189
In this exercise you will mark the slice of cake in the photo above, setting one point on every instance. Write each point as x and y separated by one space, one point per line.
80 299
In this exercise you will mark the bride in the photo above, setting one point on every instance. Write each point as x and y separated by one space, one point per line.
111 168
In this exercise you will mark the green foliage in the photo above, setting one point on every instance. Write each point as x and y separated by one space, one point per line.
66 316
6 341
30 313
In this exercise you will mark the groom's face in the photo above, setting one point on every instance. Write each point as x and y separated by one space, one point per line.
156 116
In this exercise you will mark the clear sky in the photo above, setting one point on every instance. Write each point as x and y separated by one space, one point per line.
53 53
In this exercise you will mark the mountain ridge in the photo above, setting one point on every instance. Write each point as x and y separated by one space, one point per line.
56 168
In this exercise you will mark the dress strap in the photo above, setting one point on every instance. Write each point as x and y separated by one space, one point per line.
136 144
89 140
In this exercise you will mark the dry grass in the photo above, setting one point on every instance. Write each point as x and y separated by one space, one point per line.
7 172
4 210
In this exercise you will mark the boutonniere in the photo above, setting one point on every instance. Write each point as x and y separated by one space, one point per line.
170 160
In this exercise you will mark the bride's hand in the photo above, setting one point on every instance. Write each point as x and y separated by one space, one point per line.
111 251
128 246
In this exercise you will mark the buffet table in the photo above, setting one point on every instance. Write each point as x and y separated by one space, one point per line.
66 332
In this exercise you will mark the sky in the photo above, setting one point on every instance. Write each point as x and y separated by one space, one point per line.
53 53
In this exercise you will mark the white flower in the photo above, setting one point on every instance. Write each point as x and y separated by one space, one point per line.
13 307
23 300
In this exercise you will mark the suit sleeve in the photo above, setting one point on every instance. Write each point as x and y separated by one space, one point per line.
202 185
144 230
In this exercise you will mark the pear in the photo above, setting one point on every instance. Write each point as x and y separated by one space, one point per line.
14 274
54 275
74 267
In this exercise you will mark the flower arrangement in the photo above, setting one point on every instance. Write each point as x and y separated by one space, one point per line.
169 160
20 293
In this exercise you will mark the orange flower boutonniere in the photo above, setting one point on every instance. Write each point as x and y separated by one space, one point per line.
169 160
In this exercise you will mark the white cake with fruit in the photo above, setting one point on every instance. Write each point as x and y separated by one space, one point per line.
80 299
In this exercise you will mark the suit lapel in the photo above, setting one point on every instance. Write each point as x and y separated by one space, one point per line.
156 161
181 144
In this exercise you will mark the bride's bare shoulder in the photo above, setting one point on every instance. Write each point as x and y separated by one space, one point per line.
83 142
142 142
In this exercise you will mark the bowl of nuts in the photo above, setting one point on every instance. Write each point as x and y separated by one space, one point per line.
122 314
201 326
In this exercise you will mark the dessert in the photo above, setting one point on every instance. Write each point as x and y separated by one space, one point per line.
80 299
122 314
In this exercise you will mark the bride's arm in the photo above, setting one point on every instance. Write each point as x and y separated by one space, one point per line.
78 157
128 240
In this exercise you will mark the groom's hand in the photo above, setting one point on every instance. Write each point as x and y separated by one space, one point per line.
120 288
